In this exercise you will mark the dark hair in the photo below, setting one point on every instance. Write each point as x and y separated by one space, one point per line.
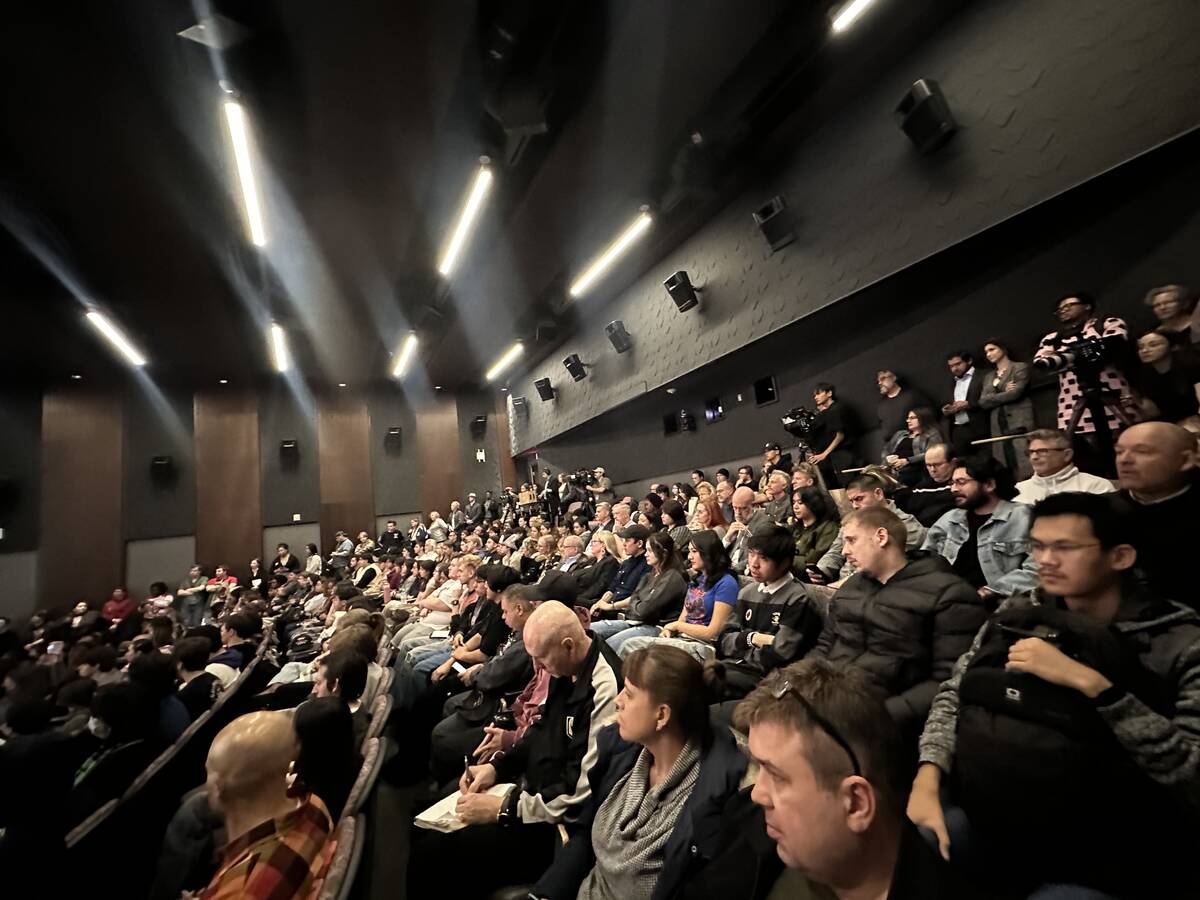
676 678
324 730
669 556
245 625
964 355
749 470
103 658
1082 296
426 565
158 588
345 590
723 471
192 653
700 472
774 542
685 488
673 510
996 342
210 633
1110 527
126 709
347 668
162 631
714 555
282 546
155 672
311 548
985 468
77 692
818 502
654 500
826 388
925 419
30 716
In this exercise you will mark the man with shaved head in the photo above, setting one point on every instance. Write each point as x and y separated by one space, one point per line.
513 836
276 839
1157 468
746 519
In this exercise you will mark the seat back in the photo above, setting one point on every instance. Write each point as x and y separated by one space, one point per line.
364 784
340 876
381 710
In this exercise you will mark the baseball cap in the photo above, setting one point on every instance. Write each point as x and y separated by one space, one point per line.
772 446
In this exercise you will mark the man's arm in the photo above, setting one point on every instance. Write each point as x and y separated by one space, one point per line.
799 627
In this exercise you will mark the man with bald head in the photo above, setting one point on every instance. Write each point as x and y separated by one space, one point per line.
513 836
276 840
746 519
1157 469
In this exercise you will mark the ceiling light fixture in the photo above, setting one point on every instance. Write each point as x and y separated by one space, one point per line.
77 378
235 119
849 14
600 265
511 355
404 357
466 218
279 348
223 381
115 337
341 384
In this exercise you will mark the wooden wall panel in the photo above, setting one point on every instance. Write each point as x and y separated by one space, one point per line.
82 555
228 499
440 470
508 469
344 453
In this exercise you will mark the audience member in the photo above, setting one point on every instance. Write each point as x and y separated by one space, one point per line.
119 606
1005 392
896 402
655 602
904 452
776 460
284 560
815 525
327 759
1067 734
1170 382
597 575
778 504
831 437
633 568
1054 472
931 496
1173 305
746 520
864 492
967 420
198 689
985 538
708 517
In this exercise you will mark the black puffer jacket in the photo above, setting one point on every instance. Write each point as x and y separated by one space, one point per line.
906 634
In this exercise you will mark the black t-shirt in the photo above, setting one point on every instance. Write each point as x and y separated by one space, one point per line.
199 694
893 411
967 563
827 423
1164 536
1173 391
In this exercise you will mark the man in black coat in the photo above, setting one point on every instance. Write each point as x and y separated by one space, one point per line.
968 420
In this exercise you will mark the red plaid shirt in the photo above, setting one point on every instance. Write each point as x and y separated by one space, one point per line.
276 860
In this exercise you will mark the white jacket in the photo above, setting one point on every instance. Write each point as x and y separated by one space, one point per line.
1067 480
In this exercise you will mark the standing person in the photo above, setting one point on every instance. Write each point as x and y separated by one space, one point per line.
602 490
1077 323
1005 395
284 561
1172 305
549 496
968 421
219 588
904 451
895 402
831 437
312 561
339 557
190 597
1170 382
472 511
390 540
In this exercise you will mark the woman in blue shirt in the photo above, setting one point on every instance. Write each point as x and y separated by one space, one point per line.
712 593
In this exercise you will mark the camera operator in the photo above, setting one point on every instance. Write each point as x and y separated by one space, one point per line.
1082 334
600 486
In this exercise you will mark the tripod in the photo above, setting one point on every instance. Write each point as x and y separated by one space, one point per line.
1099 402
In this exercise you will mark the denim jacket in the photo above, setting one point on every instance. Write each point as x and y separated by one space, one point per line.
1003 542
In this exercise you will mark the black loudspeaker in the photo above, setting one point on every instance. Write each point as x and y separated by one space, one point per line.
924 115
289 453
575 367
393 440
687 422
478 427
520 406
774 220
544 388
619 337
679 286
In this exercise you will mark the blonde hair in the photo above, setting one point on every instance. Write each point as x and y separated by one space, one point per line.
609 540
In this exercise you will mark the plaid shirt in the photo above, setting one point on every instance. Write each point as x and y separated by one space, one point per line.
276 860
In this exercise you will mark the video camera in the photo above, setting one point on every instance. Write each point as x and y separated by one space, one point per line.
798 422
1087 358
581 478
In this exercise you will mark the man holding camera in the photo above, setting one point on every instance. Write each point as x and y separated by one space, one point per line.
601 487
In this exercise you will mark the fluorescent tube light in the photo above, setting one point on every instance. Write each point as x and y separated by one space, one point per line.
115 337
404 357
611 255
849 14
511 355
466 219
279 348
235 118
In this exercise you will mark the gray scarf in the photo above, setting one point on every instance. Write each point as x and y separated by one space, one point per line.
633 825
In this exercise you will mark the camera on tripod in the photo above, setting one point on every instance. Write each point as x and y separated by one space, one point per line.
798 422
581 478
1088 357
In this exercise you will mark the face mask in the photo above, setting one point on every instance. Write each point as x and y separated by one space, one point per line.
99 728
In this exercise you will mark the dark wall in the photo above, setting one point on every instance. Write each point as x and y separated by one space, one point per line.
478 476
1115 237
1049 93
228 491
438 449
289 486
20 452
347 495
396 472
159 506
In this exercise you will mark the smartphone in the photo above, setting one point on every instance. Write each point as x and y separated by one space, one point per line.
54 648
458 667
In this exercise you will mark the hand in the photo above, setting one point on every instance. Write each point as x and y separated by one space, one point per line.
492 743
986 593
456 641
815 575
1011 386
468 676
1047 662
925 807
477 779
479 809
734 528
440 672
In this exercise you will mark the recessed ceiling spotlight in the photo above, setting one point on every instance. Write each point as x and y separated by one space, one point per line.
77 377
223 381
437 387
504 390
672 390
341 384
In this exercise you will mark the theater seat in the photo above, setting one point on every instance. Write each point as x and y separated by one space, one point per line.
348 841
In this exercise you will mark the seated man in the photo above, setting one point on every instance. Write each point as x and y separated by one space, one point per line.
198 689
343 673
1157 468
437 608
634 567
986 538
775 621
931 497
863 492
276 839
1054 471
1068 733
238 641
903 622
831 783
512 838
747 518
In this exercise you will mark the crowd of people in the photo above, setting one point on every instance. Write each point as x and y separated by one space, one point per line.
966 670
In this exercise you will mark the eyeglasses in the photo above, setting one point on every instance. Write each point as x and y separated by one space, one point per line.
961 482
785 687
1068 304
1043 451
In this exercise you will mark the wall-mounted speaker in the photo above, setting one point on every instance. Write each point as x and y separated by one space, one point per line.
393 439
924 115
289 453
478 427
775 222
687 422
619 337
684 295
544 388
575 367
520 406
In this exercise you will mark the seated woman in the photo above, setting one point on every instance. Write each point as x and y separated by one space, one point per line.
658 789
595 578
655 602
816 525
709 517
710 598
904 452
1170 381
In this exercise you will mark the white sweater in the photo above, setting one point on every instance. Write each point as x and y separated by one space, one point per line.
1063 481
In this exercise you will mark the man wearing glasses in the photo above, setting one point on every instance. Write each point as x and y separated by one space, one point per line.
1065 748
1054 469
831 786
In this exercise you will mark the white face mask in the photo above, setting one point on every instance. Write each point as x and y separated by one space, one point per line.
99 728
